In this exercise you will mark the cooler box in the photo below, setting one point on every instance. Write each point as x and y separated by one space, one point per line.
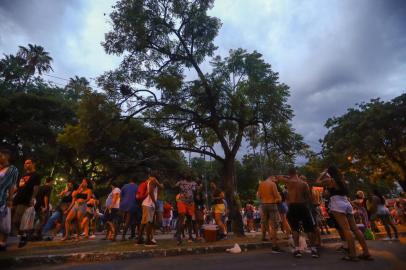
210 232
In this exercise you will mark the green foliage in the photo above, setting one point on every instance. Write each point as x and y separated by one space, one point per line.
240 98
369 141
112 147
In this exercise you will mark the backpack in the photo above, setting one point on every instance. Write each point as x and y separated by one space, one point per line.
142 191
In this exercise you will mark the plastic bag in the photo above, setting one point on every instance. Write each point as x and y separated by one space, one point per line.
27 220
5 219
369 235
302 243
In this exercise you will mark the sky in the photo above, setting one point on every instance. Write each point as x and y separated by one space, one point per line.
332 53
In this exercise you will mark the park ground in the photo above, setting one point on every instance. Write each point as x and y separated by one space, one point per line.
387 255
99 254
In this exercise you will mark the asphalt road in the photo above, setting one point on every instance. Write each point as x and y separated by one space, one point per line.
387 254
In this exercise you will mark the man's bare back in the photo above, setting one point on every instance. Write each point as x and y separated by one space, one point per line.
298 190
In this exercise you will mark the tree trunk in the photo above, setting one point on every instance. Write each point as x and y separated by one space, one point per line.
234 206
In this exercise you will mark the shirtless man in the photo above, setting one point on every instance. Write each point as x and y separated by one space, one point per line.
298 199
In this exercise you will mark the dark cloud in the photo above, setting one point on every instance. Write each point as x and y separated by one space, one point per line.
354 63
333 54
36 17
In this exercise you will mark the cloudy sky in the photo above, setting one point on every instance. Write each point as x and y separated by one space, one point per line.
332 53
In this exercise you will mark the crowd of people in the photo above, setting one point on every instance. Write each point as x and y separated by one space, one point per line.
289 203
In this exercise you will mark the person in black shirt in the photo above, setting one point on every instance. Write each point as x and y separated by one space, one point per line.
27 189
42 205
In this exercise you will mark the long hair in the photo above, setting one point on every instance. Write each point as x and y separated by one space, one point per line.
338 178
379 195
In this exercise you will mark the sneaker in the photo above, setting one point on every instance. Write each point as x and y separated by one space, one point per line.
153 240
387 239
93 236
150 244
315 253
297 254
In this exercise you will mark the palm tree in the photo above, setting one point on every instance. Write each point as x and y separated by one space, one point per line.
37 60
77 86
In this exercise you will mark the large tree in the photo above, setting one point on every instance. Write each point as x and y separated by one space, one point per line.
103 146
370 140
166 44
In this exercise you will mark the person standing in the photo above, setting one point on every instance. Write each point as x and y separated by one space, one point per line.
270 198
148 211
299 198
112 212
218 209
26 193
77 209
167 217
42 206
8 179
186 207
382 212
342 211
127 207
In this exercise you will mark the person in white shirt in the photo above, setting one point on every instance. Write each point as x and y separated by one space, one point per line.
112 212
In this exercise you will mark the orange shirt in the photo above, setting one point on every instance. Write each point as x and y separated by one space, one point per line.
268 192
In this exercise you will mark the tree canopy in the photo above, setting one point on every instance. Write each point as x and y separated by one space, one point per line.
164 46
369 140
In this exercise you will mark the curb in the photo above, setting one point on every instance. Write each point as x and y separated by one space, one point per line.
141 254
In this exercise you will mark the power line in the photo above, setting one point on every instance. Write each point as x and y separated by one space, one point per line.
56 77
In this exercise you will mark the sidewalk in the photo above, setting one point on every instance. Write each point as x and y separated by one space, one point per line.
36 253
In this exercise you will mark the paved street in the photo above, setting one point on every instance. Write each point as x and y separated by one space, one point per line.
388 255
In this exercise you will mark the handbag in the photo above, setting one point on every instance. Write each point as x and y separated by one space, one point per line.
27 220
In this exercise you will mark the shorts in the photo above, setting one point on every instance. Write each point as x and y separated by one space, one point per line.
219 208
147 214
186 209
340 204
166 222
270 213
283 208
299 214
112 215
79 207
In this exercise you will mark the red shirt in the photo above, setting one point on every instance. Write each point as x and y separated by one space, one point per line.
167 210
